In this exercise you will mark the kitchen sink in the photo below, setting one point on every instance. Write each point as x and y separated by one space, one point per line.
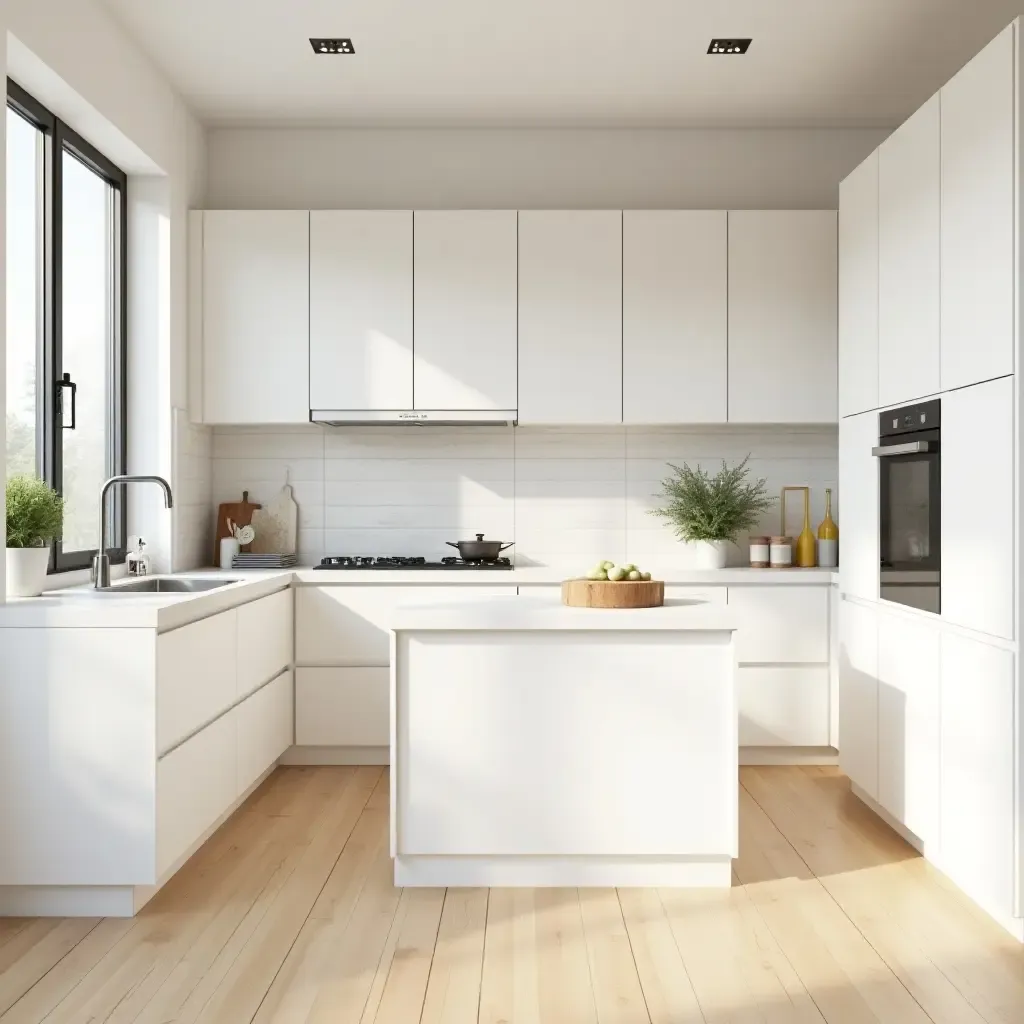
165 585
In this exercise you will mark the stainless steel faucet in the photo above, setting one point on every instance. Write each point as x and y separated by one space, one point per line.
101 560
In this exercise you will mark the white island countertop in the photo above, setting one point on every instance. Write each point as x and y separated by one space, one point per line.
543 613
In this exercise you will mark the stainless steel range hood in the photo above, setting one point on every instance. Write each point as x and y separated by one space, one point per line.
414 417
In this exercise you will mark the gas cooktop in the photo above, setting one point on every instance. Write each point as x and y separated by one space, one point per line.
406 563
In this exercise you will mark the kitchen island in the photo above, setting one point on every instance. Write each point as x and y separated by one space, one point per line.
533 744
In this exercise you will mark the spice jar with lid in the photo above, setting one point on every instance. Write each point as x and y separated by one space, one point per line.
781 552
760 552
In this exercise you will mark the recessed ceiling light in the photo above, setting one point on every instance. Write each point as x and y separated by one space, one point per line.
332 46
729 46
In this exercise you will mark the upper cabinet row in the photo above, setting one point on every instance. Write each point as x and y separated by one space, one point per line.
926 257
569 317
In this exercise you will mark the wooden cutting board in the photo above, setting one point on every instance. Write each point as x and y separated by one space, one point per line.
625 594
277 525
240 513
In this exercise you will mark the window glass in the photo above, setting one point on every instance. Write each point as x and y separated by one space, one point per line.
88 337
24 294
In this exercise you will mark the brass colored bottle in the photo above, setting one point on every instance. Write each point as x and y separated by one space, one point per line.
828 536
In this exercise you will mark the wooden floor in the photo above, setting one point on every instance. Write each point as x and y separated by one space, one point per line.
288 914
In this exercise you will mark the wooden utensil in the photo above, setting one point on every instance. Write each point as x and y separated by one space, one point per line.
240 514
277 525
624 594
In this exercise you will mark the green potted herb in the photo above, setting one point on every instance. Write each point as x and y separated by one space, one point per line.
709 512
35 517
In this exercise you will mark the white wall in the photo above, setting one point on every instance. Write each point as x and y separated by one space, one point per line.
74 57
543 168
568 497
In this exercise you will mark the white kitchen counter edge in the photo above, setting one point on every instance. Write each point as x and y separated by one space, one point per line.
525 614
76 608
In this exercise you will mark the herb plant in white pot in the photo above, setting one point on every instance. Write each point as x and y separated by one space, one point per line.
35 517
709 512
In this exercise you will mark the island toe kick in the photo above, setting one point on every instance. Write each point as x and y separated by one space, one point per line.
534 745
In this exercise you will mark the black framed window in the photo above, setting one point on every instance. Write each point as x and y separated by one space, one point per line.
66 322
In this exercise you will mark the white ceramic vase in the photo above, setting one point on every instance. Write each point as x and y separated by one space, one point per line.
710 554
26 571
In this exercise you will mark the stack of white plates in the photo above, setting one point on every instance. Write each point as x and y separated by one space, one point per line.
247 560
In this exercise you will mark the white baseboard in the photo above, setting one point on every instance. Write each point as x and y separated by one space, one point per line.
543 872
336 755
788 755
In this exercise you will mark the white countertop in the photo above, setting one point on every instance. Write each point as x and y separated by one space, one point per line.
79 607
544 613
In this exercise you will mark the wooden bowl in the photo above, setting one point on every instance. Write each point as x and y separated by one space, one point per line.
605 594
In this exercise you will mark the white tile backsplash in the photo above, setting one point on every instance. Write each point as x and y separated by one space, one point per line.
567 496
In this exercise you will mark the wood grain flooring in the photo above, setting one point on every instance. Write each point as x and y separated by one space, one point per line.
288 916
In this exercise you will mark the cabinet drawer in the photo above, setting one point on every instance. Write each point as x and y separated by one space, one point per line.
343 707
265 640
265 728
195 676
195 785
784 706
348 625
781 624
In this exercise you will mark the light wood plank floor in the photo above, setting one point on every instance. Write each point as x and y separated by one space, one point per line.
288 914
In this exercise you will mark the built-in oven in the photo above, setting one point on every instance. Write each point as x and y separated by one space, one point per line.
909 484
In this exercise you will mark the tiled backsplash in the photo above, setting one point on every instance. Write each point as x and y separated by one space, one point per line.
567 496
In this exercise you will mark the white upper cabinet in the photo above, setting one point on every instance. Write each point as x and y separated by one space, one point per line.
570 316
858 289
782 316
465 309
674 316
978 217
360 309
908 259
977 507
255 316
858 475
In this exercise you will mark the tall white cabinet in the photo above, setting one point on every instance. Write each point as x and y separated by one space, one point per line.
674 316
465 309
858 289
360 310
977 234
782 316
255 316
570 316
908 259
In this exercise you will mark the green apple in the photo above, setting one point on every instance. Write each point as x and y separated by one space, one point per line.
645 575
616 573
634 575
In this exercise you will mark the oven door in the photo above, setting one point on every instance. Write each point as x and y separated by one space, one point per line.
910 528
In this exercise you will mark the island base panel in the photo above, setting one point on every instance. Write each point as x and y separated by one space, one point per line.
560 872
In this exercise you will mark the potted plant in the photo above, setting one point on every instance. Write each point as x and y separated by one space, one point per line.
35 516
709 512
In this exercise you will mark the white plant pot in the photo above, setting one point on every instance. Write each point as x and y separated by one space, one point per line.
26 571
710 554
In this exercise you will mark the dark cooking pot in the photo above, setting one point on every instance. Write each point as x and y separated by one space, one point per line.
478 550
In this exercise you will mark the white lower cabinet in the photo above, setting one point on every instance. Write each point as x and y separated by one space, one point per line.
195 784
266 728
342 707
785 624
908 722
977 771
783 705
858 695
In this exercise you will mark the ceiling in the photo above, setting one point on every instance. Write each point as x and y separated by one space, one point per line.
561 62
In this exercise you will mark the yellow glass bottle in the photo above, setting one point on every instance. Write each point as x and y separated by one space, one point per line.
805 551
828 536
